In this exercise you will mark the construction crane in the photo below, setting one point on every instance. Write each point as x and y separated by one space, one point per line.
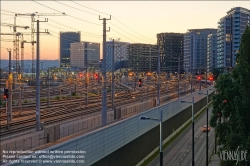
32 15
15 42
14 26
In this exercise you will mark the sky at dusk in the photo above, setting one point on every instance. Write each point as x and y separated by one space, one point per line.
131 21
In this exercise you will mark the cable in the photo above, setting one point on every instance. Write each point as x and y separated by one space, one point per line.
88 7
96 36
75 8
7 11
67 14
97 15
6 14
112 17
124 31
123 35
131 29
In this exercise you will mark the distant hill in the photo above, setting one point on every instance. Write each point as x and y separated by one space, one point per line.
28 64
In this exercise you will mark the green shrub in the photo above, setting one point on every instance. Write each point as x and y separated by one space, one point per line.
57 98
73 93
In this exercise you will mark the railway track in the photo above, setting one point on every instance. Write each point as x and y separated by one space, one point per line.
53 115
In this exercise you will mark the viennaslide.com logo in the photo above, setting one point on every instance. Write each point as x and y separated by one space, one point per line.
235 155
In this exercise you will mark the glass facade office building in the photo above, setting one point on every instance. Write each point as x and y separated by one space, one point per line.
211 52
64 49
230 29
142 57
84 54
195 49
120 54
171 48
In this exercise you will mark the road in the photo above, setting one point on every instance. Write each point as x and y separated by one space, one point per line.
179 152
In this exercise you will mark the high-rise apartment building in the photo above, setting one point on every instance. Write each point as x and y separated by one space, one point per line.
64 47
120 54
195 49
142 57
211 52
84 54
171 49
230 29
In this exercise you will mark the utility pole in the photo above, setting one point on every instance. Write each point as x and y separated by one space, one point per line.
112 79
159 71
38 127
86 76
104 79
48 92
147 85
9 109
179 77
191 71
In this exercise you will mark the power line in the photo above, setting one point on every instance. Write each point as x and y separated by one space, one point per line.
7 11
51 20
96 15
67 14
112 17
6 14
122 35
93 35
75 8
125 31
89 8
131 29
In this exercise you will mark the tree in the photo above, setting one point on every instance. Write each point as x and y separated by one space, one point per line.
217 72
232 104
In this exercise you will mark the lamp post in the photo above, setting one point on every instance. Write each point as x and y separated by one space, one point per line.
207 126
159 120
192 127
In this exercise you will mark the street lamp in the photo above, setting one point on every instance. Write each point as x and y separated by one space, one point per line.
158 120
192 127
207 126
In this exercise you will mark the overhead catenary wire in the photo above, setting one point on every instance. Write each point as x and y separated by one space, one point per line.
75 8
96 15
91 35
67 14
112 17
51 20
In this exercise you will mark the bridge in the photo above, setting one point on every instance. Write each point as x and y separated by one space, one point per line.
128 141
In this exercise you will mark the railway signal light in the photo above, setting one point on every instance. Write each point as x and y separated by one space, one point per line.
6 93
140 83
96 76
211 78
199 78
80 75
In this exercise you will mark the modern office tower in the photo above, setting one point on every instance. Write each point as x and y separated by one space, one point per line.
171 48
120 54
84 54
195 49
142 57
64 51
230 29
211 52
